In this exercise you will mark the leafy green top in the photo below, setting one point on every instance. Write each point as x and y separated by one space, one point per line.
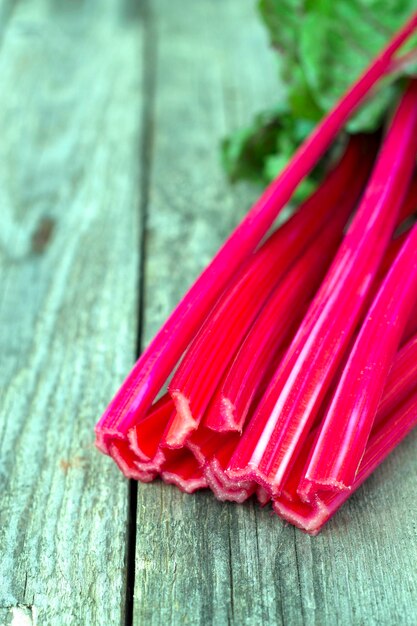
322 45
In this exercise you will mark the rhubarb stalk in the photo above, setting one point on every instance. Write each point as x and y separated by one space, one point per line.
385 437
230 404
345 429
157 361
198 375
277 431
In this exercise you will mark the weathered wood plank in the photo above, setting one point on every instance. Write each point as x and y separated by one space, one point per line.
205 86
198 561
70 112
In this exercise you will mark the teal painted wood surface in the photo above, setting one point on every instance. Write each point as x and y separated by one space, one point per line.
112 200
71 95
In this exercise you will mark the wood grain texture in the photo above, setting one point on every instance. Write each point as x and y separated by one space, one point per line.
199 561
109 110
70 114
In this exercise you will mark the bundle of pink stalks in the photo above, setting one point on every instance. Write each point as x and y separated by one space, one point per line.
295 355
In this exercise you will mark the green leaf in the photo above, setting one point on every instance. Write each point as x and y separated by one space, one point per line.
244 152
322 47
281 18
275 163
335 45
260 151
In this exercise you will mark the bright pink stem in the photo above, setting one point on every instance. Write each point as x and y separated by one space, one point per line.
208 357
402 378
385 437
233 398
145 437
154 366
401 383
279 427
409 206
272 329
127 462
213 452
345 429
183 470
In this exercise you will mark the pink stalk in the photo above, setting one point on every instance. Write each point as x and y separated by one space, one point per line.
262 496
232 400
141 453
145 437
144 458
183 470
252 363
385 437
126 461
157 361
406 211
213 451
345 429
212 350
279 427
401 383
410 329
402 378
409 206
254 360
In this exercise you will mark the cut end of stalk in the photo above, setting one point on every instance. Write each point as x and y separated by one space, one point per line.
309 519
309 489
251 473
126 461
218 471
182 423
145 436
135 445
188 485
104 438
223 492
182 470
153 465
222 417
262 496
195 449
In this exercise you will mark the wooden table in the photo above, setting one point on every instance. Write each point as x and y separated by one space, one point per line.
112 200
